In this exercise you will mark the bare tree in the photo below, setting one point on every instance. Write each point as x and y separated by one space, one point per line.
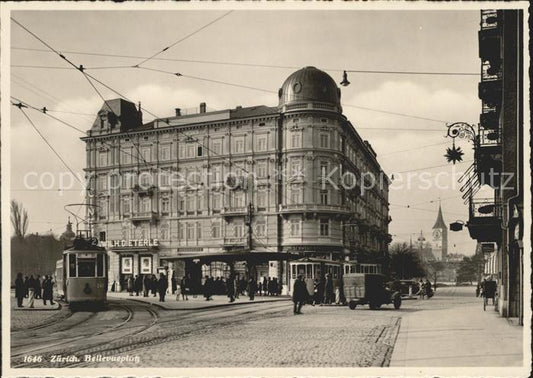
19 219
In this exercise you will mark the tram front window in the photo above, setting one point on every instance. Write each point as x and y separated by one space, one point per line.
72 265
86 268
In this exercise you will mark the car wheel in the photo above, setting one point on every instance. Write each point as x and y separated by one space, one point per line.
397 301
352 305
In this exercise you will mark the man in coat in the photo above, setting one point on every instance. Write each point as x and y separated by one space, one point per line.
162 287
299 294
19 290
38 287
251 288
328 288
48 288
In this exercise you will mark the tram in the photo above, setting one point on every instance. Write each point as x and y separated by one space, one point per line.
315 268
81 275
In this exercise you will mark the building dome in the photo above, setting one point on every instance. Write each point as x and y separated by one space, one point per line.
309 85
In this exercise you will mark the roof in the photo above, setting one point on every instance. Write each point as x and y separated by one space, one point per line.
439 223
253 111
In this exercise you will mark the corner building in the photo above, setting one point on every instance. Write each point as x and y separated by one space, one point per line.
198 193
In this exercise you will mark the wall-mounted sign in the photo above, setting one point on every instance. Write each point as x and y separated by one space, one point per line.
132 243
146 264
127 265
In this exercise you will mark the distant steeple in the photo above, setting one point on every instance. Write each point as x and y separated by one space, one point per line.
440 220
68 235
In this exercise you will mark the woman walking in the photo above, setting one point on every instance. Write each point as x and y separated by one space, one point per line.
19 289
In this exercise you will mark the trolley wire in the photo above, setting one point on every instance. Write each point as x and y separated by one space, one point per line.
184 38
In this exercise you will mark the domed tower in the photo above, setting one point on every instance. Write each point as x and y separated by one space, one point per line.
68 236
312 139
309 88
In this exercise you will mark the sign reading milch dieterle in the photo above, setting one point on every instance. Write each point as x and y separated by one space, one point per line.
132 243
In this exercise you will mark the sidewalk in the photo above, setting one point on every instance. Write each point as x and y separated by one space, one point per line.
460 334
198 303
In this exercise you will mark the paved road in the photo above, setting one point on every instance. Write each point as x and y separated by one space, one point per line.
134 334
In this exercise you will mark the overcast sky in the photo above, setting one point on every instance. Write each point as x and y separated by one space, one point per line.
437 41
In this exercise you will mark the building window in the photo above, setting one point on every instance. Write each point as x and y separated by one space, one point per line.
216 202
324 140
190 231
260 229
323 169
126 207
102 235
165 205
102 159
191 203
190 151
262 170
324 197
145 154
296 195
217 174
261 143
164 179
238 230
180 231
165 152
102 183
261 199
217 147
200 151
199 230
295 229
145 205
296 139
181 203
324 227
296 168
164 233
239 145
238 199
126 155
215 230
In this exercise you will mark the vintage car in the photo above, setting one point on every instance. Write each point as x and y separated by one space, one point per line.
363 288
407 288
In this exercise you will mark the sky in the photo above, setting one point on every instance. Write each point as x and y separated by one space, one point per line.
412 144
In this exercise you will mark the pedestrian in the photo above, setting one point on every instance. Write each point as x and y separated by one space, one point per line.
251 288
422 289
31 291
208 287
138 285
185 288
19 289
174 282
38 287
299 294
270 287
231 288
429 291
162 287
478 289
275 286
155 285
178 291
328 289
265 285
48 290
26 287
237 286
147 282
260 288
130 285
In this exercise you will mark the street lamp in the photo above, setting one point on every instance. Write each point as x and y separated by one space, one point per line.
460 130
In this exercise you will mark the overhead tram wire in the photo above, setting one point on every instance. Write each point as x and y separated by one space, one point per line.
184 38
48 143
241 64
62 56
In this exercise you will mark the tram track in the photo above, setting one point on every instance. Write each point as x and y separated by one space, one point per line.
75 350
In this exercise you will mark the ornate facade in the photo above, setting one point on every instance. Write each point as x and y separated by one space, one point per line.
296 178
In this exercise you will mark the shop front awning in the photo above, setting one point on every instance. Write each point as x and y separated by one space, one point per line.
243 255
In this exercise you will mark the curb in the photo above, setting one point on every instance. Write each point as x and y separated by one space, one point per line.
38 309
208 307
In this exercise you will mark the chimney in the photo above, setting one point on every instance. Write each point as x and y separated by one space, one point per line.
202 107
178 112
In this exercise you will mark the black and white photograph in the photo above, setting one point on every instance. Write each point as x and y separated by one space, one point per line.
265 189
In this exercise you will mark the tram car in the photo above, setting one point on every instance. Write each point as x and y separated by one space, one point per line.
81 275
315 268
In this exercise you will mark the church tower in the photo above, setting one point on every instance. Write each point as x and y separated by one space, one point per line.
440 237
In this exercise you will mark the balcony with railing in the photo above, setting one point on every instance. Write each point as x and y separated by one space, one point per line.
234 211
484 223
314 208
488 156
150 216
